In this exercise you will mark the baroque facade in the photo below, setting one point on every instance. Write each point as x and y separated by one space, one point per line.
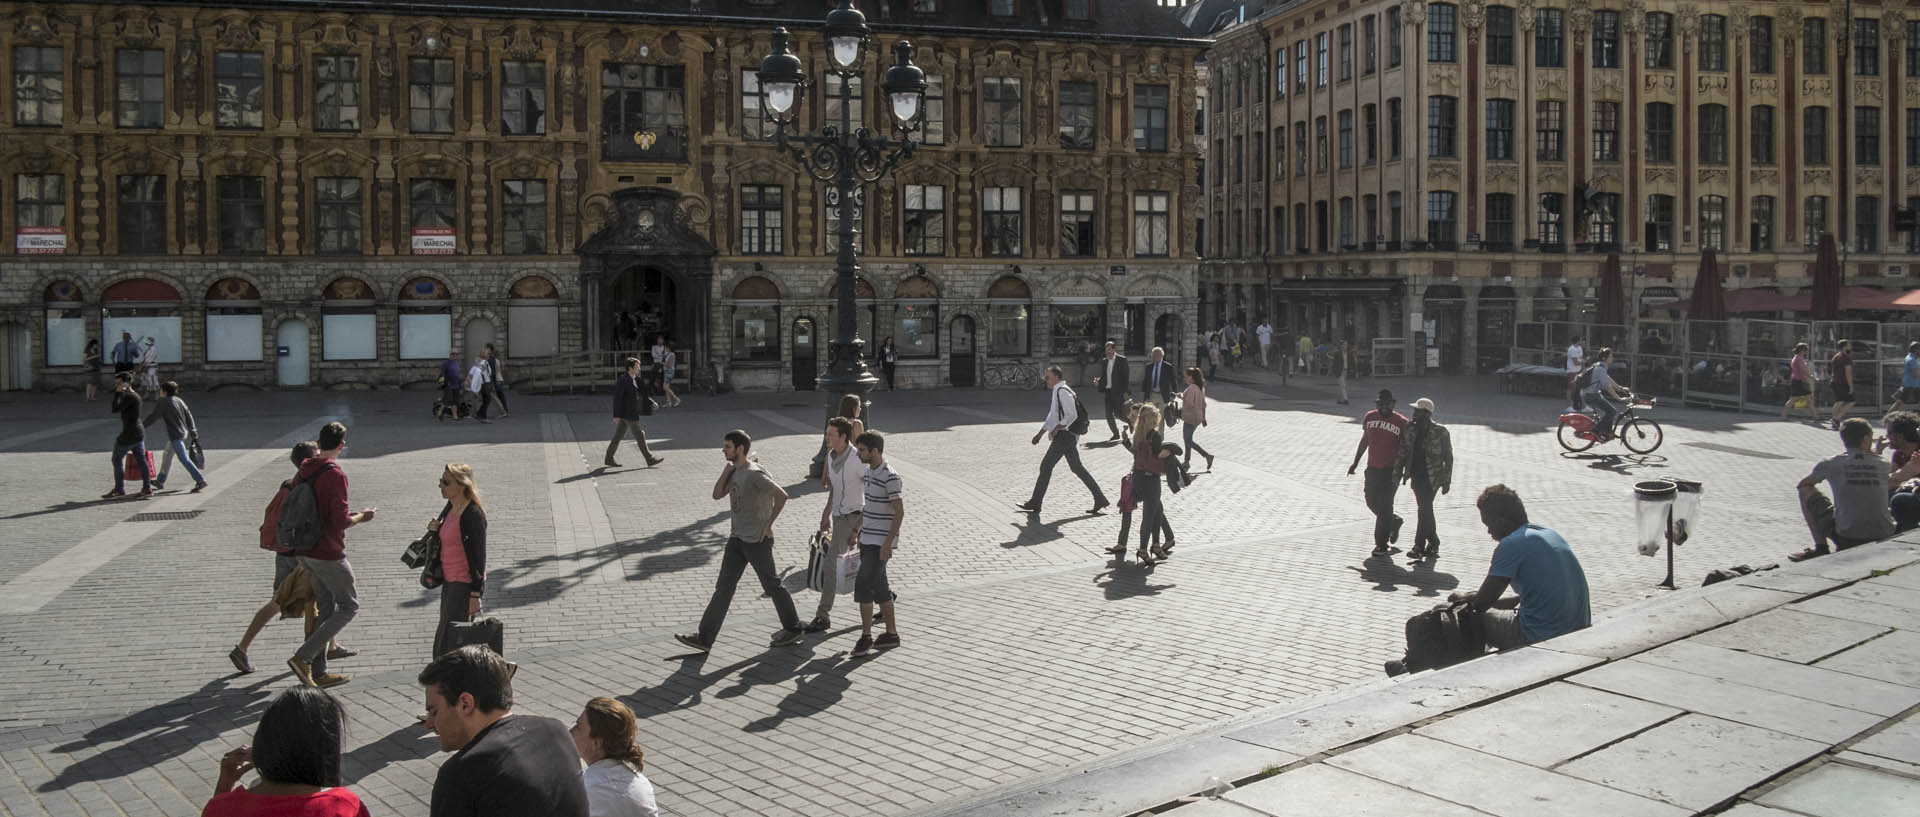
1442 171
285 194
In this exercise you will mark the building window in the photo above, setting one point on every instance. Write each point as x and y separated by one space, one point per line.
1001 229
1393 217
242 213
1320 60
1300 228
1606 39
1913 137
924 220
1000 111
142 203
1866 224
1813 45
1079 10
1346 139
1346 223
1077 117
39 85
1077 224
831 220
755 125
1713 42
1149 118
337 229
1499 35
1280 73
1499 221
762 219
1280 229
336 93
1552 226
1815 224
1713 134
1813 129
1004 8
1549 130
643 112
1239 159
1606 131
843 105
1913 48
1346 52
140 87
1259 162
429 95
1760 132
1866 47
523 98
1371 204
1602 217
1760 49
1659 223
40 200
239 90
432 213
1500 129
1393 129
933 112
1713 223
1150 223
1393 37
1300 66
1760 230
1369 46
1279 153
1549 39
1659 39
1440 125
1322 226
1866 136
1370 119
1442 220
1299 148
523 216
1659 132
1440 33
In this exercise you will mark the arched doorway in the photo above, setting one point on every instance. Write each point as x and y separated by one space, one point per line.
1445 308
961 362
643 304
1168 336
290 342
806 361
479 333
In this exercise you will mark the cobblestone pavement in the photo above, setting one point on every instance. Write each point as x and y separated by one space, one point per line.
1026 650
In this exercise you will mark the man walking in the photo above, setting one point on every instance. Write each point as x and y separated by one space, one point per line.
126 354
450 384
626 415
1576 362
755 502
328 572
840 517
1380 433
181 429
880 517
1157 382
1265 334
1842 382
1909 393
480 383
1112 383
494 372
1425 459
1062 416
131 440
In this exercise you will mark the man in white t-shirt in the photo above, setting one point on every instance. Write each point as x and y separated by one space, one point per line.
1265 332
1576 361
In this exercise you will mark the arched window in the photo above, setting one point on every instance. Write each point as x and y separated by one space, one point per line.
1009 307
916 318
67 328
144 308
233 321
756 319
533 318
347 330
866 315
426 320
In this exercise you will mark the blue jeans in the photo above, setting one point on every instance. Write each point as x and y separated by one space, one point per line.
1906 511
1610 409
120 452
179 450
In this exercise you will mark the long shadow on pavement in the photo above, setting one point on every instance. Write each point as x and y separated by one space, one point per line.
1387 576
1129 580
689 682
159 733
407 742
818 686
700 546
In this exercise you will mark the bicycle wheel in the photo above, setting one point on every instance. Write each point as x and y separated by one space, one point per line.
1572 441
1641 435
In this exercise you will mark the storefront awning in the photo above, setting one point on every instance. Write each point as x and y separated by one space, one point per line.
1851 297
1338 286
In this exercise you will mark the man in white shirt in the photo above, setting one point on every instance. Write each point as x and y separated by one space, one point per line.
840 519
1265 332
479 384
1576 361
1061 416
1113 385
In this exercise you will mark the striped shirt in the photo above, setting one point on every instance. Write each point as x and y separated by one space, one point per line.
882 490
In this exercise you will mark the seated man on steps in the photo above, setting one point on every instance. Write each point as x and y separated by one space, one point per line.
1860 481
1542 569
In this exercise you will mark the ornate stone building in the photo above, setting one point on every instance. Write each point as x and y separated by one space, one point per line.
1384 168
288 193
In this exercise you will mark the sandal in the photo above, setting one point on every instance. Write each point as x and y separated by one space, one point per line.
1118 550
1804 555
1145 557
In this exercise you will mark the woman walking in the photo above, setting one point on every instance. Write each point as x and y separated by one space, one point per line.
663 363
149 369
1193 412
462 528
1148 470
603 735
1342 361
296 750
181 429
1799 382
95 365
887 360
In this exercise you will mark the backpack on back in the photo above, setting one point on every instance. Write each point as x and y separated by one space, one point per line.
1585 378
270 524
298 528
1080 424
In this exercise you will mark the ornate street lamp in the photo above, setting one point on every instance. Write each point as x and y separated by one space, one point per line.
845 157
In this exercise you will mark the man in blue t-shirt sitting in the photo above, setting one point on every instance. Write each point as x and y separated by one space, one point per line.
1541 567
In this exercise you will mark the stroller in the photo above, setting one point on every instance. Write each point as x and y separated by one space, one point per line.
459 408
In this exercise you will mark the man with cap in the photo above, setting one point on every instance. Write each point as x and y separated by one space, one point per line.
1380 433
1426 459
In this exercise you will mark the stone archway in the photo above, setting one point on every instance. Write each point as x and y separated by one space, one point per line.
644 252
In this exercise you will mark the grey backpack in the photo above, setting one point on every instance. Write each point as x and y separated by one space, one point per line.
299 526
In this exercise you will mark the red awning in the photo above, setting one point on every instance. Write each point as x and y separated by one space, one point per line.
1873 298
1766 300
140 290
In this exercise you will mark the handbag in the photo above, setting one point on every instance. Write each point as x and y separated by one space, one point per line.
1172 413
849 567
424 555
194 452
817 561
131 468
487 632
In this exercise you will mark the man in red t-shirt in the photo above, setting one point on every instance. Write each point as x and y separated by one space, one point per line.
1380 441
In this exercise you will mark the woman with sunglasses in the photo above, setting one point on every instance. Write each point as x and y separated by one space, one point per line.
462 528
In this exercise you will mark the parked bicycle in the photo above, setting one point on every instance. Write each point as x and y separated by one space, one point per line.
1641 435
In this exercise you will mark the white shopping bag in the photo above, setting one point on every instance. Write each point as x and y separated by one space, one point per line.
849 570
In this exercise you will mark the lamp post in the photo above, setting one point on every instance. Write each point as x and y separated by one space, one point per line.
845 157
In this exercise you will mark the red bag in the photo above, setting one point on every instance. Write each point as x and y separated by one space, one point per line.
1126 494
131 468
270 526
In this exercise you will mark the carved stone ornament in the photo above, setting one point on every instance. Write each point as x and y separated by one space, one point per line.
1607 86
436 168
1632 18
1816 88
526 167
141 162
1764 86
1866 177
1764 176
1913 176
1686 24
1552 177
1472 13
1605 175
430 38
237 32
1817 176
1552 85
1502 81
1503 172
1787 18
1893 23
339 165
34 24
1713 175
1444 78
1711 83
1868 89
1413 12
337 34
1525 16
1661 174
523 43
136 28
1659 82
1444 171
1580 16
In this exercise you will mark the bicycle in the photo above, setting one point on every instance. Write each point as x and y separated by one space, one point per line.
1641 435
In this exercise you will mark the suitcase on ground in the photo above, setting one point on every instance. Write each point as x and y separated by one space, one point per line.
487 632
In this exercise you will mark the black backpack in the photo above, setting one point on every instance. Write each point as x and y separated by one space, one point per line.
1080 421
1585 378
1441 637
299 526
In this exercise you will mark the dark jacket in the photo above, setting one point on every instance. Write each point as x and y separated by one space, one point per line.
473 540
131 429
520 766
178 417
626 397
1119 385
1147 455
1168 375
330 497
1439 449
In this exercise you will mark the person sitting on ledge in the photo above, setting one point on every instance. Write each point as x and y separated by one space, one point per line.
1540 565
1860 481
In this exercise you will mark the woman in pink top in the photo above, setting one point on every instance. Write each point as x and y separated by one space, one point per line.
462 526
296 750
1799 382
1193 412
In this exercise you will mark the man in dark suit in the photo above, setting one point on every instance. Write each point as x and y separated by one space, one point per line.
1158 379
1113 384
626 414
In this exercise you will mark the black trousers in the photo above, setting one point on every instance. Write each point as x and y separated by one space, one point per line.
1065 444
453 607
1425 533
1153 515
732 566
1191 448
1116 401
1380 491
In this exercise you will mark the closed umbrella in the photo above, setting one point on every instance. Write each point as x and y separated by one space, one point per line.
1826 281
1612 305
1709 299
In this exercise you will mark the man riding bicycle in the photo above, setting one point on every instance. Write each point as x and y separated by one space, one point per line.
1601 391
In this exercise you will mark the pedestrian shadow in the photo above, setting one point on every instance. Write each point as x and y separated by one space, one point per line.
687 686
159 733
408 742
1387 576
595 472
1622 464
1129 580
669 551
64 507
818 686
1035 532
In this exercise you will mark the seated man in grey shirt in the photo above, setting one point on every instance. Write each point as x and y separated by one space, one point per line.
1860 481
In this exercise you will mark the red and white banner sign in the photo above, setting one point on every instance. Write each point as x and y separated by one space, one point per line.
32 240
433 241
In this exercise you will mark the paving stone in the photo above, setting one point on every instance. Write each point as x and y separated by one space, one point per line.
1462 776
1907 577
1899 741
1875 761
1853 609
1813 683
1546 726
1892 596
1894 657
1734 702
1755 810
1791 635
1318 790
1838 790
1788 582
1214 808
1688 762
1640 628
